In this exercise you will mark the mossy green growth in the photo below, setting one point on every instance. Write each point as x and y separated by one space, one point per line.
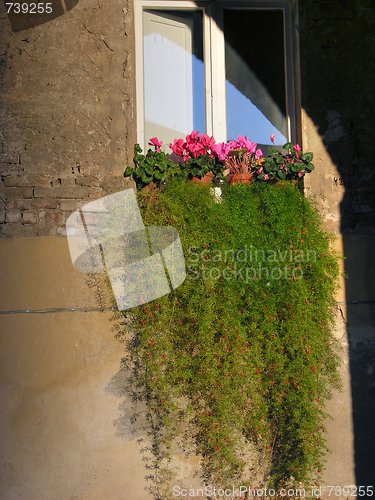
243 350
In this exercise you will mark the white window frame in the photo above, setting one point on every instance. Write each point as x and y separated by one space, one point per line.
214 60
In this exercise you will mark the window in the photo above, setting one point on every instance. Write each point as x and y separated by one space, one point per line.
225 68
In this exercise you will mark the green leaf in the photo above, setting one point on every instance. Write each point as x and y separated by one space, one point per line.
128 171
310 167
150 162
160 176
145 178
196 172
281 174
137 149
288 145
307 157
296 167
138 158
201 162
149 170
138 172
268 167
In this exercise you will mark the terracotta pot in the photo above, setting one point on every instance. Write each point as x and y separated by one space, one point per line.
207 179
241 178
149 187
280 183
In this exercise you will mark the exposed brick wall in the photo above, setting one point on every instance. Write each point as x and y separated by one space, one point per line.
66 114
337 40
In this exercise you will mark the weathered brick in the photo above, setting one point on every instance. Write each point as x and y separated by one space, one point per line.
66 215
33 204
61 192
29 230
61 231
12 229
15 192
7 169
30 217
87 181
97 193
68 181
2 205
2 215
54 218
13 145
114 184
10 158
41 216
12 216
71 205
46 230
27 180
364 207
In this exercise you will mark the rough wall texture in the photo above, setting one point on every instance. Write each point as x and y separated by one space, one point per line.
67 126
66 114
337 41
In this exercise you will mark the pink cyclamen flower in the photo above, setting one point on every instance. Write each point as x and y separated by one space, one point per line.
193 137
195 149
177 147
245 143
258 154
272 137
300 174
221 150
155 142
266 177
260 170
297 149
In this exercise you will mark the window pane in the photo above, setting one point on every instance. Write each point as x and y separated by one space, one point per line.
173 74
255 75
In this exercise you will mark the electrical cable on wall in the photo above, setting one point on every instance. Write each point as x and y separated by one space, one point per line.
102 309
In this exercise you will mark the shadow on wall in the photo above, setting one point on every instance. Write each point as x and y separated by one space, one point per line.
337 43
23 16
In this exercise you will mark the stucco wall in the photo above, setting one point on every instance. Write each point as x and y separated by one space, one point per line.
66 135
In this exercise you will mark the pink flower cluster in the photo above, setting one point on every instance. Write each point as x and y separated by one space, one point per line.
222 150
196 145
193 146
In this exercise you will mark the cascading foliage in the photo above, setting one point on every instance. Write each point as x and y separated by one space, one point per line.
242 355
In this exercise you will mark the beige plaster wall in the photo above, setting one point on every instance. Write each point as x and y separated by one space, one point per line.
58 412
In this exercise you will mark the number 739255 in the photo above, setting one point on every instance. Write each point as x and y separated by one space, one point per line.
350 491
29 8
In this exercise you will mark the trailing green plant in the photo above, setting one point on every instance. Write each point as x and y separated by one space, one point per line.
240 353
